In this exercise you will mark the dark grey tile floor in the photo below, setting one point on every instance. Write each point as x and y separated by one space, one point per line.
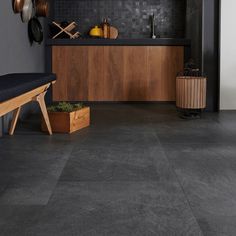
137 170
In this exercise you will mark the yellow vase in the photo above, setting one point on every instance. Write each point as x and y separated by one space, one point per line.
96 32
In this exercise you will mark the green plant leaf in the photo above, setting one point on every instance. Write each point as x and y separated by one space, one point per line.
65 107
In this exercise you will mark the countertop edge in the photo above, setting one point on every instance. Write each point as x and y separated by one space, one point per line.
119 42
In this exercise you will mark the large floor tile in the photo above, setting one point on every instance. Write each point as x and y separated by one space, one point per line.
16 220
131 163
228 120
193 131
28 176
39 142
118 208
118 140
208 176
37 192
212 233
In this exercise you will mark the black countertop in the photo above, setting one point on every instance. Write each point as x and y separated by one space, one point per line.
120 42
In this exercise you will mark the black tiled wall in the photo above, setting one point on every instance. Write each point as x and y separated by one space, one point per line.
131 17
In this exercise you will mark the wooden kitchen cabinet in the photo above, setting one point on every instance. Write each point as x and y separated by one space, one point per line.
116 73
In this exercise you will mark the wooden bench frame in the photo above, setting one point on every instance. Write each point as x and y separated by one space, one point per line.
16 103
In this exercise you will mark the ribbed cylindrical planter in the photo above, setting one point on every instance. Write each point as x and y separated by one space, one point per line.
191 92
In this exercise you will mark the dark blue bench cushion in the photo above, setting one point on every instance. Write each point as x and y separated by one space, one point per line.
13 85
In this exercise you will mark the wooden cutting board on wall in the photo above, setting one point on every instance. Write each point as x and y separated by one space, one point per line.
113 32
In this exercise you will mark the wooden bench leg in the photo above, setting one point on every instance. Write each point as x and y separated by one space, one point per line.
14 120
40 100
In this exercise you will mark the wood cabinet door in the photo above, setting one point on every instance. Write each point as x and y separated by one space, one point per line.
70 65
164 62
135 73
114 73
95 73
172 64
155 80
59 67
77 74
106 73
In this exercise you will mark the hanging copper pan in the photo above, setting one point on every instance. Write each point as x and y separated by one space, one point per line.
17 5
42 8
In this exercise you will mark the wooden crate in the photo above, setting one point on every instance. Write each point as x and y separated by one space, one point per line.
65 122
191 92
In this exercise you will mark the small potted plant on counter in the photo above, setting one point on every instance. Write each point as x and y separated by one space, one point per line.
66 117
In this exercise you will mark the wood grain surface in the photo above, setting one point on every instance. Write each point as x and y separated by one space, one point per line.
68 122
191 92
116 73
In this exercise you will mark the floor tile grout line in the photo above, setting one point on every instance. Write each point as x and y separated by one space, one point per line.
181 186
53 189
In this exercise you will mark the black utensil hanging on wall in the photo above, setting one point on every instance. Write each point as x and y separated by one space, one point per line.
35 30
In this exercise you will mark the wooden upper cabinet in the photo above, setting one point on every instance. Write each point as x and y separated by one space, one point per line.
116 73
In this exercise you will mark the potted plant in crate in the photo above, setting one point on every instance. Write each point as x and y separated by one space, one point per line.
67 118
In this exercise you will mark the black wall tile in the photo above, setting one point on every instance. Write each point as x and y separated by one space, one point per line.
131 17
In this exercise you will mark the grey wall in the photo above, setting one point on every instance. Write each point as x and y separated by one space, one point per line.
17 55
131 17
227 61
